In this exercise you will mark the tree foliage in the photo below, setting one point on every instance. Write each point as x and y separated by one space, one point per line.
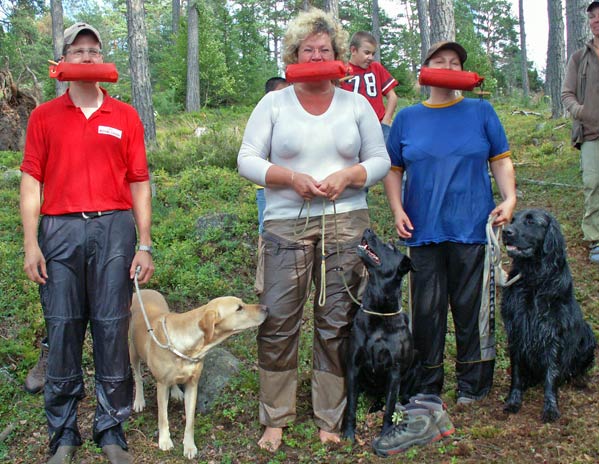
240 43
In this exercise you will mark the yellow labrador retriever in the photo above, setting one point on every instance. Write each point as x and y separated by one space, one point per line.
191 334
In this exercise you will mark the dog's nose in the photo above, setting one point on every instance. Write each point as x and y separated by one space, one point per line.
507 232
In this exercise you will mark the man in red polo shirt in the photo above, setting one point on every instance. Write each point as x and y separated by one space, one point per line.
85 172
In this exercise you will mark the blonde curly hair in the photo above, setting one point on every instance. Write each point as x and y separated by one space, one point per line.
307 23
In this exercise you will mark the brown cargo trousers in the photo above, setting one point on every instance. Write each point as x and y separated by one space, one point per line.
292 256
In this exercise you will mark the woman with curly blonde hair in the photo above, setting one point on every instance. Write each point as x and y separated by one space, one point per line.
315 148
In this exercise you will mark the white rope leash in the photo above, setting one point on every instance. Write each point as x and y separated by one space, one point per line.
168 346
494 242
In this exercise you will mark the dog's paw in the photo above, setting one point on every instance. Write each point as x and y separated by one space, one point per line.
139 405
349 434
514 402
512 408
177 393
165 443
550 414
190 452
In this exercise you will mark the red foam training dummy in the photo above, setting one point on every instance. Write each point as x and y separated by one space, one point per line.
449 79
101 72
315 71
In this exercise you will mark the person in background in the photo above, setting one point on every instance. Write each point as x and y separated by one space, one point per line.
580 96
446 146
85 172
313 181
371 79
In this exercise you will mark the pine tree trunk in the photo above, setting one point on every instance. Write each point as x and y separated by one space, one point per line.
192 100
425 36
56 14
576 25
141 87
524 57
442 20
376 28
176 15
555 57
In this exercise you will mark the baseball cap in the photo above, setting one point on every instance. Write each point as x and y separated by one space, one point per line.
592 5
70 33
448 45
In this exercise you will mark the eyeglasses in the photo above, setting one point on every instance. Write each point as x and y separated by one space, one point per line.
79 52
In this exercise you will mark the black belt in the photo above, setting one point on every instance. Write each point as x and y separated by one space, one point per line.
91 214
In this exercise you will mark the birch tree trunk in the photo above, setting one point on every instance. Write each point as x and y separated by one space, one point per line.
332 6
555 57
376 29
176 15
576 25
141 87
56 14
442 20
192 99
523 54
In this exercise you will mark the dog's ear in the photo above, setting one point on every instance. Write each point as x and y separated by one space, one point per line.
406 265
554 245
207 324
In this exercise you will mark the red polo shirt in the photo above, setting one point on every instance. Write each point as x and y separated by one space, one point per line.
372 82
85 164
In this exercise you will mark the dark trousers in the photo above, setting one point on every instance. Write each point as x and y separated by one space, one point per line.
88 263
451 275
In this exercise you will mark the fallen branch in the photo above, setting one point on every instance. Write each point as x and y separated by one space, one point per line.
7 431
551 184
526 113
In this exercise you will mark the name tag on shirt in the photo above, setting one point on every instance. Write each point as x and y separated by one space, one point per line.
110 131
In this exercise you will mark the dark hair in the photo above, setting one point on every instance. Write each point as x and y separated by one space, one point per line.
362 36
272 83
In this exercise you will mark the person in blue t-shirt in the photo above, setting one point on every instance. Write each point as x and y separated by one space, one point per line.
446 145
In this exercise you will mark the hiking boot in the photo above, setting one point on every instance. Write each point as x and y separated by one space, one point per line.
117 455
417 427
465 400
64 455
438 409
36 378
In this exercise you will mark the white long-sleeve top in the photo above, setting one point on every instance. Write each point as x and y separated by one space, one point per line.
281 132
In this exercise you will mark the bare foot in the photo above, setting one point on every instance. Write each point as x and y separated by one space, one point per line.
271 439
329 437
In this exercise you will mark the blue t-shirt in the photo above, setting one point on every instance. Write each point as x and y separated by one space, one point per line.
445 151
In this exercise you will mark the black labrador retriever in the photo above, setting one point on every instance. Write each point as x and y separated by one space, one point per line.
381 348
549 342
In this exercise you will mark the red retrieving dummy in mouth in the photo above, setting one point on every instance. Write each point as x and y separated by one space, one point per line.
101 72
315 71
449 79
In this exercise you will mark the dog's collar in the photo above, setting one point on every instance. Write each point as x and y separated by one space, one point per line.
169 346
379 314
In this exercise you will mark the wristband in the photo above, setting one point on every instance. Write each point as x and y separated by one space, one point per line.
147 248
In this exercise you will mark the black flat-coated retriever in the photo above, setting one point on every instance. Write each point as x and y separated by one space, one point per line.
549 342
381 349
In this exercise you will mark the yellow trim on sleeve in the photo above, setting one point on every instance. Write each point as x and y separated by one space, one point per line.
501 156
397 168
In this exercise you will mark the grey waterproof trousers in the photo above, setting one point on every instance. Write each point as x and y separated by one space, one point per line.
88 263
292 262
